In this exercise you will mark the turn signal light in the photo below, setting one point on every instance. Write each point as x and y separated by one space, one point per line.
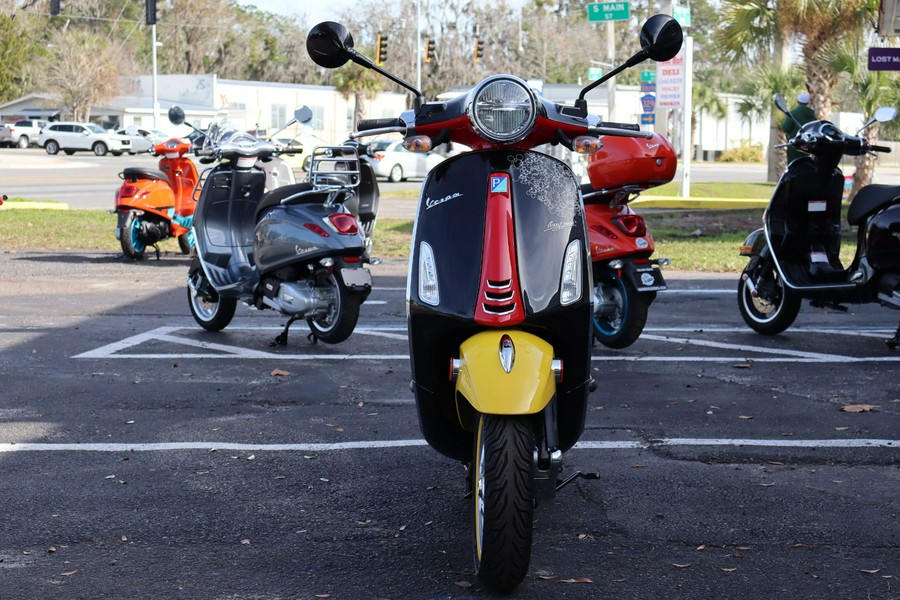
632 225
418 143
585 144
343 223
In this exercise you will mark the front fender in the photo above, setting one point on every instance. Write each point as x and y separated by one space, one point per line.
526 389
754 244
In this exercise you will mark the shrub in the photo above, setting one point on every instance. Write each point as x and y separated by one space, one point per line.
746 152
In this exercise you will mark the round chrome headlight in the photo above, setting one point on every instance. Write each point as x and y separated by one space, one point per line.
503 110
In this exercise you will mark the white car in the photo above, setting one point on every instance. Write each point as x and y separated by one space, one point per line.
143 140
391 160
71 137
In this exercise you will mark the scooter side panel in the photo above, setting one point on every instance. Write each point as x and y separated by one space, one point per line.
281 238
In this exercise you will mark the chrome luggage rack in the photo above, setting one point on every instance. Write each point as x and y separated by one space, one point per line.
334 167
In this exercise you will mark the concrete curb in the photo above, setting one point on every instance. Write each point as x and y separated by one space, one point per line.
34 206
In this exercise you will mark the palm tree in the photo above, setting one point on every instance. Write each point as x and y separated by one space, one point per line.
362 84
824 25
759 89
871 89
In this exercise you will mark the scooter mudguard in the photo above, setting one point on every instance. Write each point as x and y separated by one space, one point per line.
754 243
483 380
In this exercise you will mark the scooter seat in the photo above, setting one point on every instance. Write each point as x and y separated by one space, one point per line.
274 197
135 173
869 199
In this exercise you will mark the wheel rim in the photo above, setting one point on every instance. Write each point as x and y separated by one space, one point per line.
396 173
327 322
479 490
761 309
99 149
135 233
204 307
609 293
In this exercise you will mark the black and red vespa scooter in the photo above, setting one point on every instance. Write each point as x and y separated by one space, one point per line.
499 290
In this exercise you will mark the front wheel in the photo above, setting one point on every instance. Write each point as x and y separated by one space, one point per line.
211 311
504 500
774 307
620 311
51 147
100 149
339 320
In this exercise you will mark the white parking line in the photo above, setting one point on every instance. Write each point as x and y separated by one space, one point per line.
382 444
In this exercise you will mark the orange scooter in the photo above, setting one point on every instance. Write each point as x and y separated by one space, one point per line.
626 279
152 204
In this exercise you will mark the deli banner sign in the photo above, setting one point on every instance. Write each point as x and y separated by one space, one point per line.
884 59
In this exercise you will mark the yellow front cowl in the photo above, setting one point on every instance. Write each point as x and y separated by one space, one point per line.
526 389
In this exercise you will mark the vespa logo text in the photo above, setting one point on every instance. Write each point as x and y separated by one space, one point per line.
559 225
300 250
429 203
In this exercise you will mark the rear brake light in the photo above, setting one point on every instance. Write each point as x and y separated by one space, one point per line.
128 190
344 223
315 228
379 156
632 225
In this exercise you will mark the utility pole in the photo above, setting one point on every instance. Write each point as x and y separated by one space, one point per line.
611 59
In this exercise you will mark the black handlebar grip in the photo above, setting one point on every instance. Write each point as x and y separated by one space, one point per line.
365 124
879 148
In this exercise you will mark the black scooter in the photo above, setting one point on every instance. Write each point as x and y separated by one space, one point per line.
796 254
297 249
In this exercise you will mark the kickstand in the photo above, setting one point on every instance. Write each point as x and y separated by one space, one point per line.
894 341
560 485
281 338
155 247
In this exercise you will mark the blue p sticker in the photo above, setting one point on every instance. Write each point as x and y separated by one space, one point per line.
499 185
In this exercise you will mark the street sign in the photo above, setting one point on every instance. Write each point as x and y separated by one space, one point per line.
648 76
682 14
608 11
670 84
884 59
595 73
648 87
648 103
648 119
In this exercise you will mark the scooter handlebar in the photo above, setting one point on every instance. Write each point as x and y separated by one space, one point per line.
367 124
619 131
879 148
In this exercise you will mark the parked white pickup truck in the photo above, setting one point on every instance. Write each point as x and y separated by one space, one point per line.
22 133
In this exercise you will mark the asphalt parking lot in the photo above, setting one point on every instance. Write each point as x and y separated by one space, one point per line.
143 457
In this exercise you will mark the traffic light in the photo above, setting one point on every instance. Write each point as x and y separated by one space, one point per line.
429 50
151 12
381 49
479 49
54 8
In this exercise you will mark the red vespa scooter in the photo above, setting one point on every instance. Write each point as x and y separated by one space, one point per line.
150 202
626 279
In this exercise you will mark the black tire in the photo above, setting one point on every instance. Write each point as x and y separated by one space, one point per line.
503 493
396 174
23 142
184 243
622 310
211 311
51 147
774 308
69 152
129 237
342 316
99 149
